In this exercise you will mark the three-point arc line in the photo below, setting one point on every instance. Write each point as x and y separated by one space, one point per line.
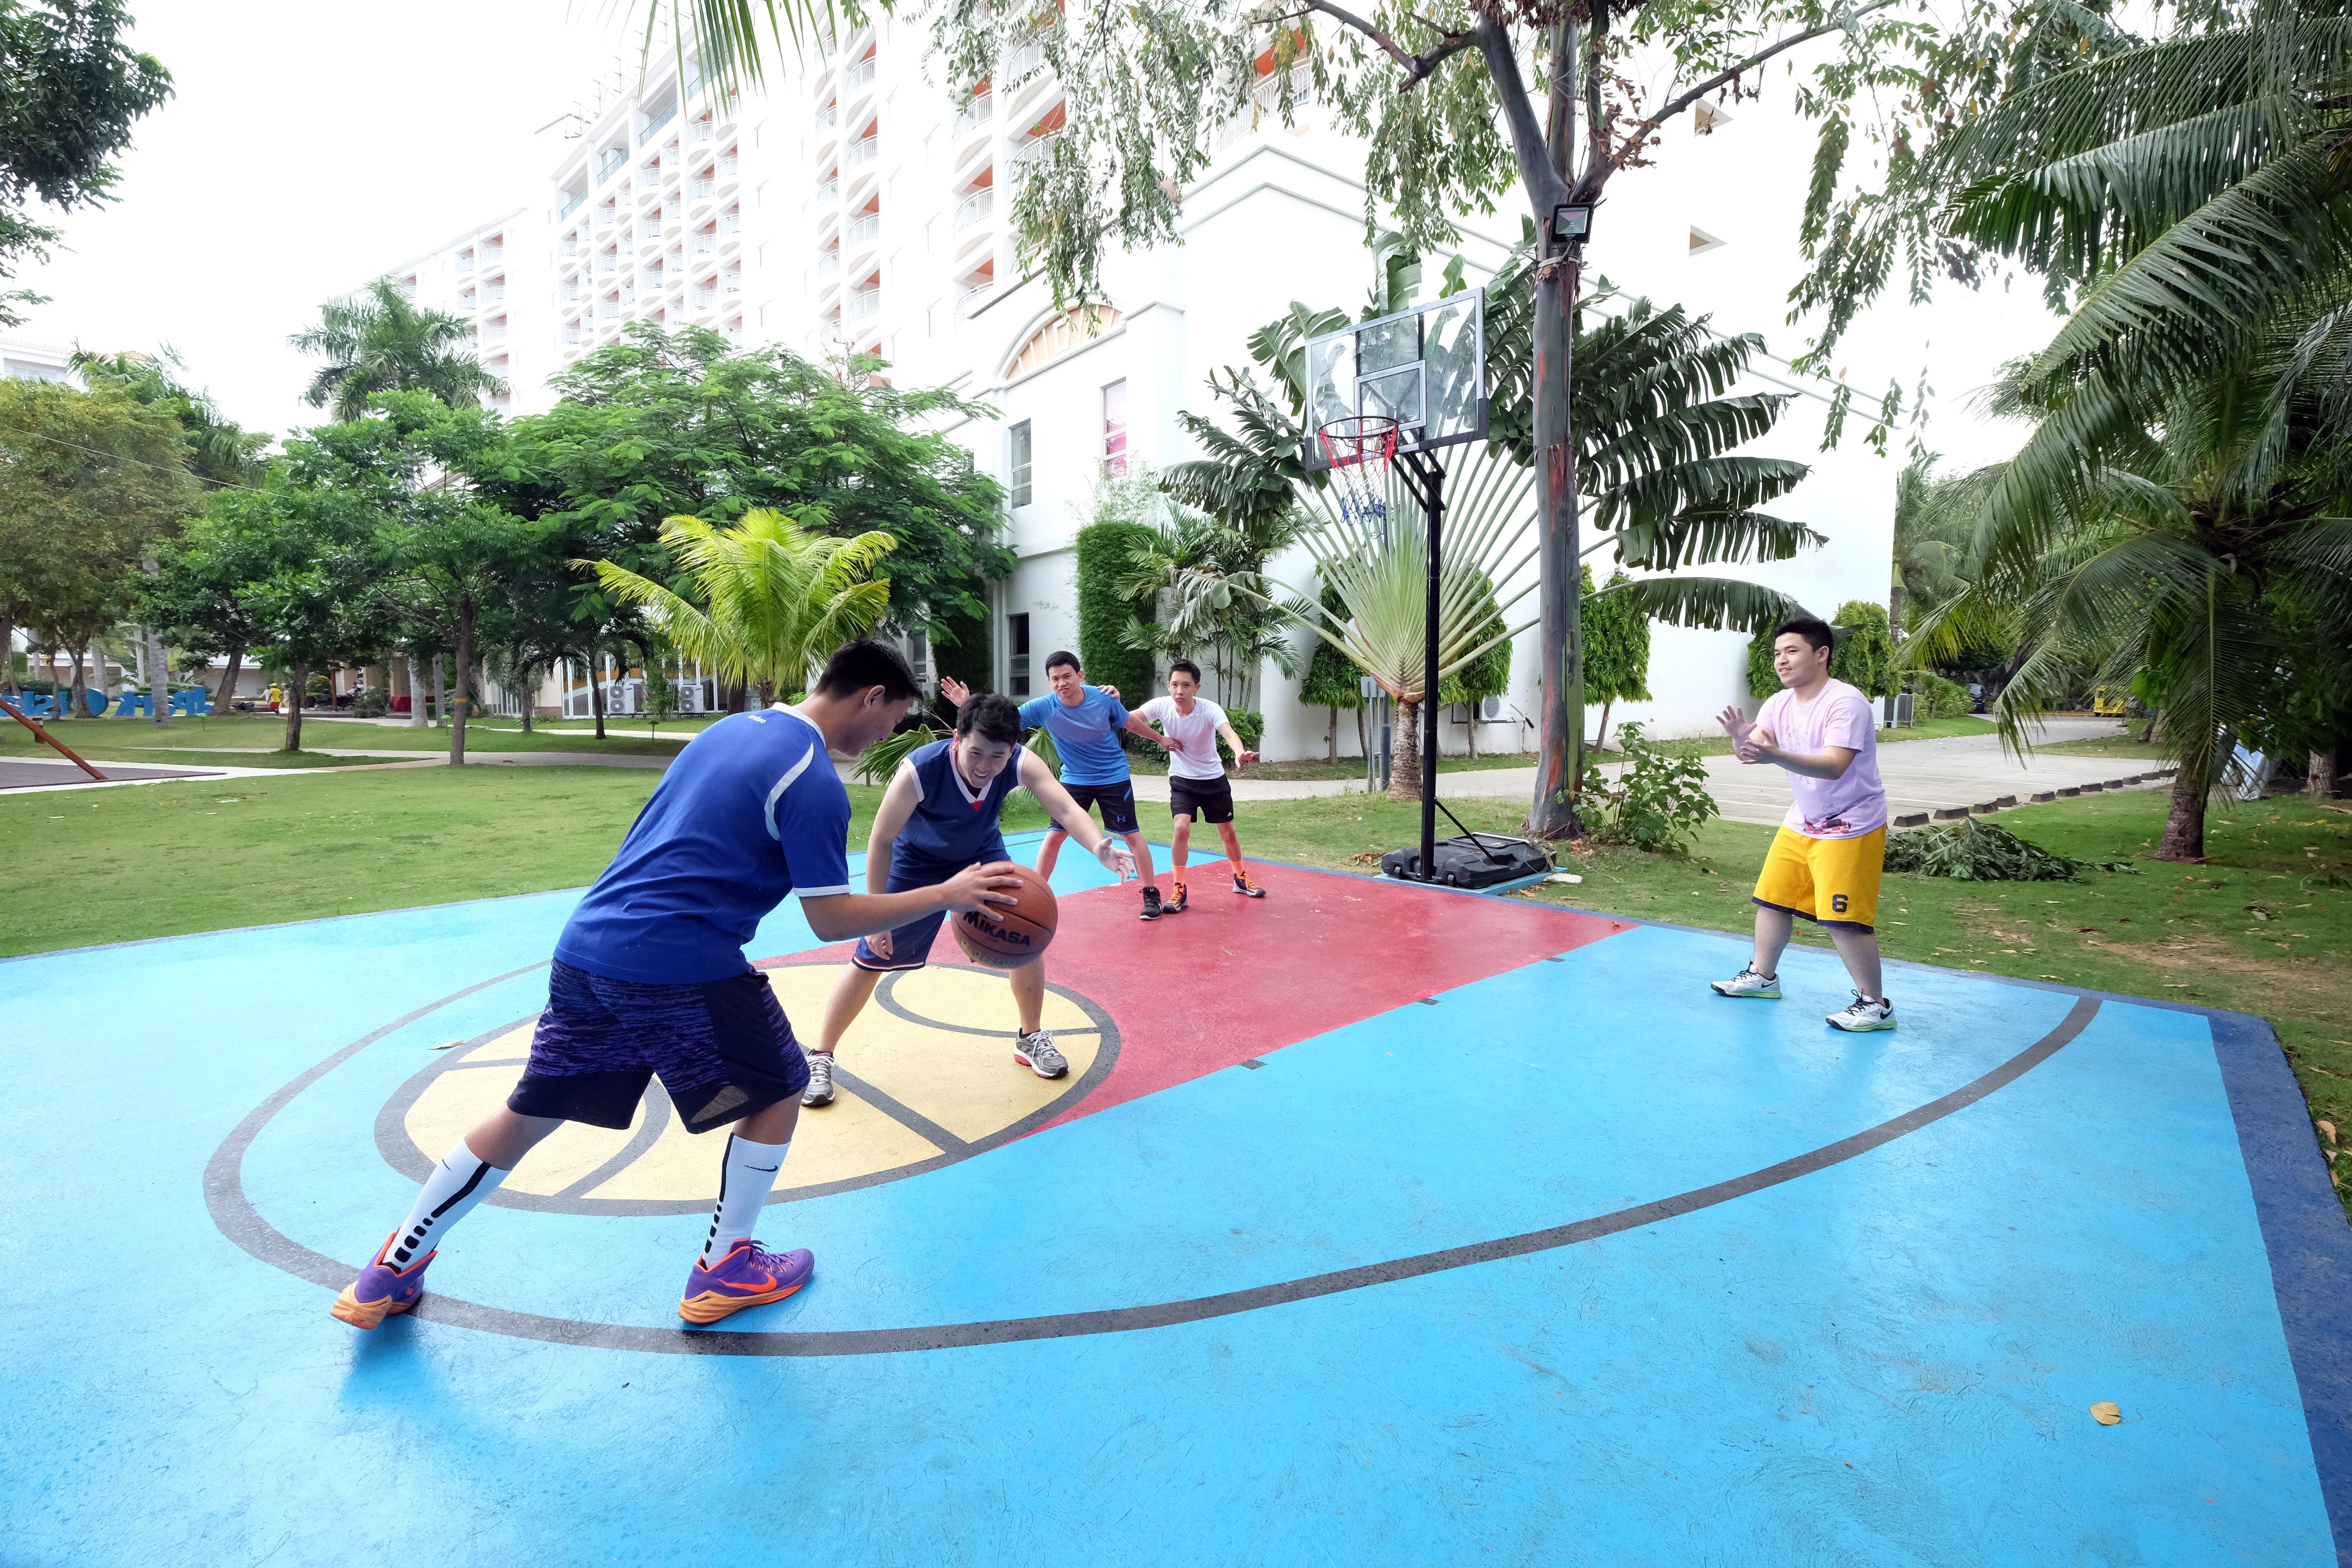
241 1223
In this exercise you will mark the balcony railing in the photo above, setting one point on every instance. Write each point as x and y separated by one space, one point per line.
731 284
614 162
977 112
863 227
829 264
493 253
572 204
494 293
977 206
974 287
828 117
858 75
731 221
465 262
703 190
704 299
705 242
862 150
1035 150
653 127
829 192
608 309
568 246
1023 61
571 289
728 165
496 332
700 131
863 302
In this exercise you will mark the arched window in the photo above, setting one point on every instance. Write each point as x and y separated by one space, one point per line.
1061 334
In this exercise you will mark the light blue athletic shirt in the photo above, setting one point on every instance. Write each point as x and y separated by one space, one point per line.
751 811
1085 733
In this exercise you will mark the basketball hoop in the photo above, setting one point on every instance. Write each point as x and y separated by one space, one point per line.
1360 452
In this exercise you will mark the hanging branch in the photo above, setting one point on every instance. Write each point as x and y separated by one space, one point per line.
1724 77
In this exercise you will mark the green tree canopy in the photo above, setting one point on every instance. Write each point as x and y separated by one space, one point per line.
668 423
71 90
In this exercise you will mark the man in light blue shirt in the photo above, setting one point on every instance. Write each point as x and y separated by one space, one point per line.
1084 722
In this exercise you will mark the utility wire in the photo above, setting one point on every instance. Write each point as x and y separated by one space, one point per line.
135 462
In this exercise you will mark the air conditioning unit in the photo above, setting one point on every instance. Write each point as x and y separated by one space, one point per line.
1490 710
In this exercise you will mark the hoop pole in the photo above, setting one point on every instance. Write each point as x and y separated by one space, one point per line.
41 734
1429 727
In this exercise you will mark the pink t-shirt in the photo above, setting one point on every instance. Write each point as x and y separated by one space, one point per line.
1845 807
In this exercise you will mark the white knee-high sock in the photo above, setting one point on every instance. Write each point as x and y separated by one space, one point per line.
745 1179
460 1181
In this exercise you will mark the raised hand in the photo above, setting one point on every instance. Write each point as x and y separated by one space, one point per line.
954 691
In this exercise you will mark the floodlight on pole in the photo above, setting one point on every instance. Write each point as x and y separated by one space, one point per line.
1571 224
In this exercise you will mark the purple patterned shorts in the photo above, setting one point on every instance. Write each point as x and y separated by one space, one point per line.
723 1049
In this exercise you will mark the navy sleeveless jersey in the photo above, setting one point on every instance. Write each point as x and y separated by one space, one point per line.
951 826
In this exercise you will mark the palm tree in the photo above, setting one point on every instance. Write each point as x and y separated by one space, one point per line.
220 451
2186 199
2205 553
776 593
378 341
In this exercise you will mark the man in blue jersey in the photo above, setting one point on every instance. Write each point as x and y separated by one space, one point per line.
1084 722
938 816
649 978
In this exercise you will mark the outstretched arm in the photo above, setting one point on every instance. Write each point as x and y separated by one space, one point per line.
1241 754
1138 725
1071 818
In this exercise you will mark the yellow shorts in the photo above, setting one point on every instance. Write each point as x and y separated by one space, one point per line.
1833 881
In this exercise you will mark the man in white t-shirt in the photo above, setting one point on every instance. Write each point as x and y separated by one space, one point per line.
1825 862
1197 785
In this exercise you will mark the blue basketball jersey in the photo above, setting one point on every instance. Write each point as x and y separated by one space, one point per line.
951 826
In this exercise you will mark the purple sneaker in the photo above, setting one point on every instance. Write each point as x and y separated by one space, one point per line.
380 1291
749 1276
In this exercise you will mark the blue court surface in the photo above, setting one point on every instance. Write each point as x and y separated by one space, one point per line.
1373 1224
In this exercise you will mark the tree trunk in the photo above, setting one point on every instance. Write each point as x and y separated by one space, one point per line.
159 694
1363 736
2321 779
225 701
8 650
295 689
1404 767
767 694
440 691
72 708
596 695
464 671
1601 741
2147 730
415 693
1559 763
1331 737
2184 824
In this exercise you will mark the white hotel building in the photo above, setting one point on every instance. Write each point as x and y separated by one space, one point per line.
851 207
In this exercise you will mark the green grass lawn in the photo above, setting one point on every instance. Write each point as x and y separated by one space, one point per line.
257 734
2266 928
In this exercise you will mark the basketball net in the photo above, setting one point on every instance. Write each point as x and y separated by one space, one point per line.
1360 452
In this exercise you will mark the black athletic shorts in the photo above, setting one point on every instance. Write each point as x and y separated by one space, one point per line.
1210 800
1117 803
723 1049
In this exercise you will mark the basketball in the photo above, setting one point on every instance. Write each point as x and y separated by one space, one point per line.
1010 935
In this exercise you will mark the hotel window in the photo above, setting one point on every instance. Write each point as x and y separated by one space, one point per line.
1114 449
1016 662
1021 456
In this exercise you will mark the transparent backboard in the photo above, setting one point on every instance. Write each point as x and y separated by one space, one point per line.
1425 368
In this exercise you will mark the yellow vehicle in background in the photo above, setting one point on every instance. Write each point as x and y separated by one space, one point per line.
2108 702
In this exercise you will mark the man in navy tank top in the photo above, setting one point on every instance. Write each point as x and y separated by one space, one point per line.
939 817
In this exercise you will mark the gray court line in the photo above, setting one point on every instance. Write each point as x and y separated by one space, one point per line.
392 1143
500 1062
238 1220
887 994
656 1102
906 1116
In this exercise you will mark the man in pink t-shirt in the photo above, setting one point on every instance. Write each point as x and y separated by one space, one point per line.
1825 862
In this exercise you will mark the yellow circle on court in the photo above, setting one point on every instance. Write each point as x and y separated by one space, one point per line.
924 1077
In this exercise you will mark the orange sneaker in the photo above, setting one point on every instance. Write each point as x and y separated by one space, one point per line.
380 1291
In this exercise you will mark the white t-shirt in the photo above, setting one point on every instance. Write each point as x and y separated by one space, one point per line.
1844 807
1195 735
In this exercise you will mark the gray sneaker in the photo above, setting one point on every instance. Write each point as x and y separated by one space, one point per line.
1748 984
1036 1053
820 1084
1860 1017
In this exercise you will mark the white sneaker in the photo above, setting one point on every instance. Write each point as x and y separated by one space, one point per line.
1859 1017
1036 1053
1748 983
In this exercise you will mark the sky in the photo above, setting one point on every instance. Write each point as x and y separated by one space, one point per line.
308 148
311 147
